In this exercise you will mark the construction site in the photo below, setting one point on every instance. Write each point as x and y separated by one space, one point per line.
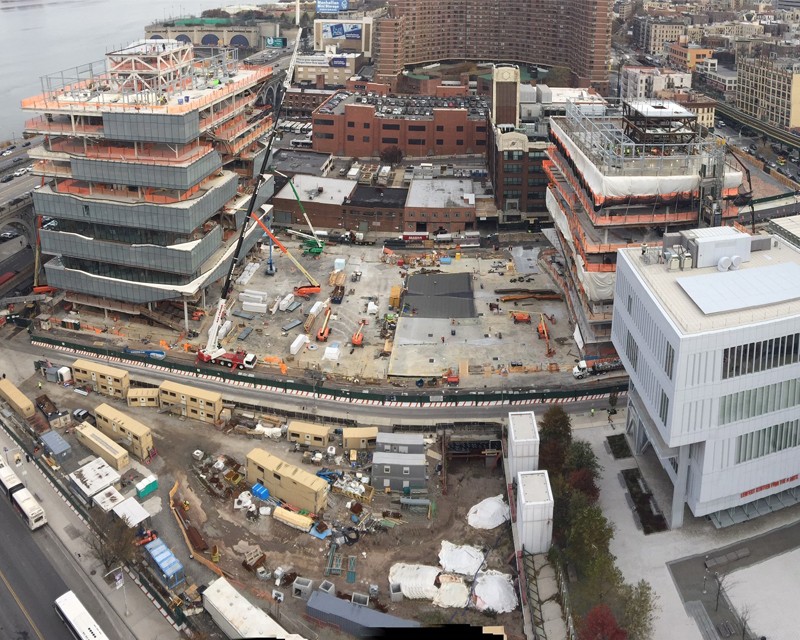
368 314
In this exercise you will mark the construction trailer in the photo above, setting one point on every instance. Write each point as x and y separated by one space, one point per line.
92 478
399 471
100 444
143 397
191 402
359 437
18 401
101 378
400 442
237 617
130 433
308 433
291 484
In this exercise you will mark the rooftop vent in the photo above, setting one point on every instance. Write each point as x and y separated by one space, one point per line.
724 263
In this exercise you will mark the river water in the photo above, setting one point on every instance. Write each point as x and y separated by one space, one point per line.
42 37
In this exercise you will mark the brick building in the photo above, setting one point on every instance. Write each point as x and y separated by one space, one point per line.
446 205
571 33
300 102
362 126
322 199
374 209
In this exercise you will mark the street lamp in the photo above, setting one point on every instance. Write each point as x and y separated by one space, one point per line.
119 582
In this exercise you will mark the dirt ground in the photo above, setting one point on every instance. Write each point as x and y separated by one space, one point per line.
417 540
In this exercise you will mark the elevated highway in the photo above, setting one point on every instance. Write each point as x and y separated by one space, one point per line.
781 136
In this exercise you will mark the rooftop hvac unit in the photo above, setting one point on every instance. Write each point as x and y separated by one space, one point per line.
724 263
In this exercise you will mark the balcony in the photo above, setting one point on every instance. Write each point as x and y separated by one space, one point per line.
63 125
140 154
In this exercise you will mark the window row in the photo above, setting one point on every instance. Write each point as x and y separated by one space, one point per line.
750 403
763 442
760 356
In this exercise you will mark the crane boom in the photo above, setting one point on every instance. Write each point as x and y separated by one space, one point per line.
213 349
288 253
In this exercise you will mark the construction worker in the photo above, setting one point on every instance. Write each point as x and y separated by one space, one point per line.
592 412
40 384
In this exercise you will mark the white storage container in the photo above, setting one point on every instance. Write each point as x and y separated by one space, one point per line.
255 293
224 329
523 442
534 511
338 264
316 308
248 297
254 307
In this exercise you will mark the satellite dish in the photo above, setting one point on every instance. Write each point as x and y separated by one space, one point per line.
724 264
736 262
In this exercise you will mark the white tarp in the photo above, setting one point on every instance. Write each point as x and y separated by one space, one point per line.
332 352
489 513
131 511
461 559
417 581
495 591
453 592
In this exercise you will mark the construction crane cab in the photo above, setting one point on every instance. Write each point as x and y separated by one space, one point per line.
325 329
358 336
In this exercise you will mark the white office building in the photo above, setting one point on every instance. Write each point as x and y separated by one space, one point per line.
708 327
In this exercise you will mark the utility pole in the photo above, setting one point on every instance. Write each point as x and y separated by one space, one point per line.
119 582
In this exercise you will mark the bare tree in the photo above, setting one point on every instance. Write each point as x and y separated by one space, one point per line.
114 541
744 617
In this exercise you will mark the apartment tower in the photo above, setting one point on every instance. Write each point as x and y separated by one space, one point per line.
569 33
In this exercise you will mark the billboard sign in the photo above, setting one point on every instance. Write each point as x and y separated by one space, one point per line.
340 31
338 62
277 43
332 6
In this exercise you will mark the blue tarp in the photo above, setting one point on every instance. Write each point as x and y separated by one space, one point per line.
260 491
170 567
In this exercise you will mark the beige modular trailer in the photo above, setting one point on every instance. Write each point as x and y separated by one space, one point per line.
109 381
17 400
100 444
132 434
301 489
192 402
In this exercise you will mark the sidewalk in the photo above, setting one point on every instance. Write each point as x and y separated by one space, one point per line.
145 621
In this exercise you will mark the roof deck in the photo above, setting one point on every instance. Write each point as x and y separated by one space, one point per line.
149 76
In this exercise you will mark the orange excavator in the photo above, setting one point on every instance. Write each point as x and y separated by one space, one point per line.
325 330
358 336
544 335
306 291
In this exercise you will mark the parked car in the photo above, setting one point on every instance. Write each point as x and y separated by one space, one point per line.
7 152
16 160
19 173
82 415
7 178
26 144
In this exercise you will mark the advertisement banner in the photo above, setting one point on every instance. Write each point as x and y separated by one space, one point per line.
340 31
331 6
338 62
277 43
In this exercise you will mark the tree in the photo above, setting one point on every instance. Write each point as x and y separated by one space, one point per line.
589 537
612 400
582 480
392 155
600 624
580 456
114 542
555 438
639 607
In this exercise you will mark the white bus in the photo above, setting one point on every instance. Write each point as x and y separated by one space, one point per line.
78 620
302 143
30 510
9 482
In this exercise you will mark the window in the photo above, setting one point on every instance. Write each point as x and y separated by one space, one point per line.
459 143
669 361
439 141
480 129
663 408
417 127
260 468
480 143
440 127
387 469
632 350
323 121
351 125
459 128
512 168
365 139
512 155
760 356
366 125
416 141
389 140
276 476
351 138
406 471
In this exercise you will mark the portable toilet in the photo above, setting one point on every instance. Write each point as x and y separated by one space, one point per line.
65 375
146 486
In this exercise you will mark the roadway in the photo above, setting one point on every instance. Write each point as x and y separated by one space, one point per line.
29 581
